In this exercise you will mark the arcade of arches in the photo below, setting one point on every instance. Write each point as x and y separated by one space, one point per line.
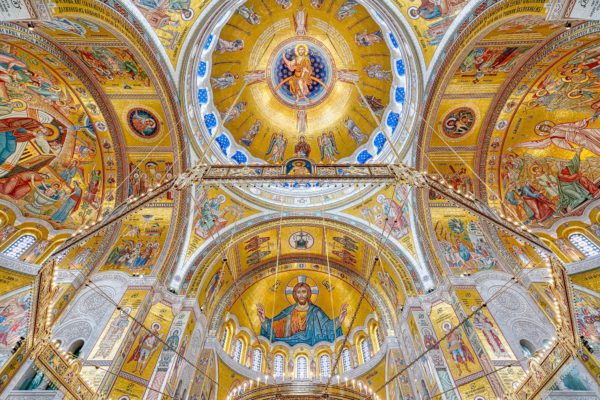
313 281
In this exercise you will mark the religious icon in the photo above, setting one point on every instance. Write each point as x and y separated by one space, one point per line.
224 81
229 46
376 71
249 15
365 39
301 322
459 122
113 335
143 122
346 10
250 134
302 149
298 168
490 333
302 69
461 355
277 147
301 240
354 131
147 345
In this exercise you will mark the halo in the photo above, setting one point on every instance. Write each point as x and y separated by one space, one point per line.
574 94
301 45
22 105
446 326
413 12
156 324
55 132
537 127
302 278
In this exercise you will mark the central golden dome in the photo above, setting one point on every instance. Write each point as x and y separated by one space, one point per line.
301 80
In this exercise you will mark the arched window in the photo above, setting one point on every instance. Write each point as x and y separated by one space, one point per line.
76 347
325 365
224 339
237 350
346 360
582 243
365 351
278 364
378 337
256 360
527 348
19 246
301 368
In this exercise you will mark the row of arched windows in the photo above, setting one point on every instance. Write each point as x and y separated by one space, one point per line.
303 365
585 245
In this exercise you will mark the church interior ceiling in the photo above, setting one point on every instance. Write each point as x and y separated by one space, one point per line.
382 289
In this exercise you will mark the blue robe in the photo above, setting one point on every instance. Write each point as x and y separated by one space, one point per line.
319 327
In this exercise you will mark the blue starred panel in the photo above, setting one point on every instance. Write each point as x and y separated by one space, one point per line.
393 40
379 142
400 95
202 69
224 143
363 157
400 67
209 41
239 157
210 121
392 120
203 96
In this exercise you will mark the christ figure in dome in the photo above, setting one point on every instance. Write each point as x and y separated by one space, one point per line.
301 66
302 322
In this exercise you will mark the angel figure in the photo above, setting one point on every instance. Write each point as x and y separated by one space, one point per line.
229 46
277 147
565 135
327 146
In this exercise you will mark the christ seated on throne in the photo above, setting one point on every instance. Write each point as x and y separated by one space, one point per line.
302 322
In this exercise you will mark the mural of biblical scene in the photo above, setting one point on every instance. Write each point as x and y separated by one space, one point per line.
485 326
146 173
300 306
544 155
14 322
148 344
587 310
430 20
77 256
51 164
116 68
300 99
487 62
401 387
171 21
140 241
457 349
456 174
119 324
464 247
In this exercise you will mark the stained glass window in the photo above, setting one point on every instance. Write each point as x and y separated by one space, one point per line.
301 368
278 364
346 361
224 339
325 365
365 350
582 243
237 351
19 246
256 360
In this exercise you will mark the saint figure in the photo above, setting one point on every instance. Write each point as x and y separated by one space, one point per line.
565 135
302 322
